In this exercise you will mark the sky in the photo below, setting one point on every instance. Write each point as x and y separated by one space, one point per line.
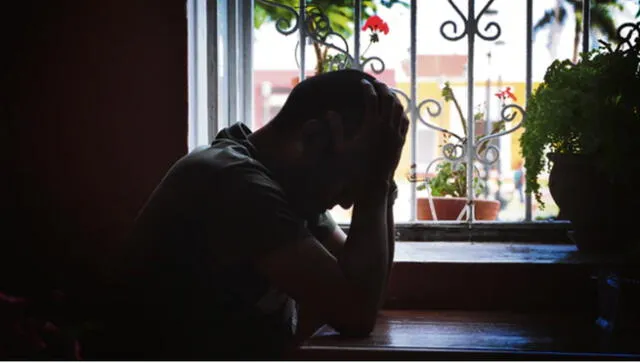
274 51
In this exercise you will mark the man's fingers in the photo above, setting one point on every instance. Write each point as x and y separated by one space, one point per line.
370 102
404 127
386 99
397 118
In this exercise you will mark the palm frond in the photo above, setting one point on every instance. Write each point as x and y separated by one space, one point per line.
543 22
602 20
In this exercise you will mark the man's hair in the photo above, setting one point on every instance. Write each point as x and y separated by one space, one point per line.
339 91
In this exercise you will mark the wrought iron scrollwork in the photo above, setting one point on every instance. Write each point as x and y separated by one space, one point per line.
629 37
490 25
405 100
373 60
452 24
470 22
482 152
317 28
282 23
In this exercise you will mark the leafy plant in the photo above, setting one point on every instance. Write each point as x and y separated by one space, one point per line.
451 177
590 108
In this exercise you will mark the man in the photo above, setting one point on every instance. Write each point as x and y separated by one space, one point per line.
234 256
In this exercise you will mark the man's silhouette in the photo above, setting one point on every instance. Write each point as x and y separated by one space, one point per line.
234 255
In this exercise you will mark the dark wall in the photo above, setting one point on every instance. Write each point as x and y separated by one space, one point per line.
94 113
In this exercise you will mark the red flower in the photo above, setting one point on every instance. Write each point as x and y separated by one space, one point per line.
376 25
503 95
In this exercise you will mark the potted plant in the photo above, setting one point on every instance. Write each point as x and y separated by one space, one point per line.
585 117
448 188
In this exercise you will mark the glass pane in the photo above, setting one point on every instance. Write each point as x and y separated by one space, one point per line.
498 68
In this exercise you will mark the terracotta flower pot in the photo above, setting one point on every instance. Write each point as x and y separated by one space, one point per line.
448 208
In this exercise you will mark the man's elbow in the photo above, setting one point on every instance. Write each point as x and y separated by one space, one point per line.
357 332
358 328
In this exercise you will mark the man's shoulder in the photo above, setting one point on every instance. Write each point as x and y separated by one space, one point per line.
224 158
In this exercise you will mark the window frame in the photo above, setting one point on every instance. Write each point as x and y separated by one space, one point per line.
227 40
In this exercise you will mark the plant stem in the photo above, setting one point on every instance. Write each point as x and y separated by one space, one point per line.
366 49
319 59
462 119
316 47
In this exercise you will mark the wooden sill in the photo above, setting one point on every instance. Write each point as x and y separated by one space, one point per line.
466 335
479 276
483 252
496 252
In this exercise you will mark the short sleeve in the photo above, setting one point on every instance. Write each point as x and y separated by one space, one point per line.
255 214
321 226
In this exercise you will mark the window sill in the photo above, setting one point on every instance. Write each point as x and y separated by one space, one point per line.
497 252
554 232
511 276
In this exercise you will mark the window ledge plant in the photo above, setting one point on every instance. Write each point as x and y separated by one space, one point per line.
451 177
585 117
588 108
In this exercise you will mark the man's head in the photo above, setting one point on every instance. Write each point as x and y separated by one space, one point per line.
338 91
303 138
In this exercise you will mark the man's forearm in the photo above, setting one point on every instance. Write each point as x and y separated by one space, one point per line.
391 240
365 256
391 228
391 234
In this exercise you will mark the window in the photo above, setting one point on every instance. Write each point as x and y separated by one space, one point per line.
505 47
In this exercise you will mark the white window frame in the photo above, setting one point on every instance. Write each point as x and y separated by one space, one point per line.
220 74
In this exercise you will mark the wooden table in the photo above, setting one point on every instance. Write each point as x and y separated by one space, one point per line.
467 335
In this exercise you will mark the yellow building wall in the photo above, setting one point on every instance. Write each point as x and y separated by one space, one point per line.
432 89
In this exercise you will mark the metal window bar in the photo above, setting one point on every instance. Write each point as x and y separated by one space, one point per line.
528 205
413 60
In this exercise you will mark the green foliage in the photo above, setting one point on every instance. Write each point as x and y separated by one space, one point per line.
591 108
339 12
333 62
451 180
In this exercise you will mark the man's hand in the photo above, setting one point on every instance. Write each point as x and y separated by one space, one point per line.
379 140
381 137
383 109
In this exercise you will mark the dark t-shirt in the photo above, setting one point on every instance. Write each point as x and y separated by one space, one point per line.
192 291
